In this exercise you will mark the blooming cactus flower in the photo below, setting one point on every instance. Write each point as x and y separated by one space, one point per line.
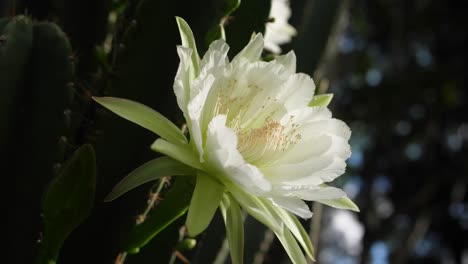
259 140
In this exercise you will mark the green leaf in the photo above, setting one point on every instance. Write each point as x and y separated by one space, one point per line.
290 245
341 203
152 170
234 222
173 205
205 200
68 201
321 100
188 41
182 153
143 116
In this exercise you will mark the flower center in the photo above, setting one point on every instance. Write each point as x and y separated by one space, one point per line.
260 145
268 138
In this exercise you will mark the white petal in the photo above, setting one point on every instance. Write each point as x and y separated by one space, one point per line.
288 61
252 51
183 78
222 154
310 172
326 138
215 57
310 192
299 90
294 205
195 110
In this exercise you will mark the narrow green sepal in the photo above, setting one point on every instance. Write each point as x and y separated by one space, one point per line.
234 222
188 41
321 100
182 152
143 116
150 171
341 203
205 200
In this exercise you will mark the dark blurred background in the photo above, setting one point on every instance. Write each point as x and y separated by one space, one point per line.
397 69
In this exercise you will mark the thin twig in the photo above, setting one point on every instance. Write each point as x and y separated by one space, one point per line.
176 253
268 238
314 232
153 198
120 258
222 253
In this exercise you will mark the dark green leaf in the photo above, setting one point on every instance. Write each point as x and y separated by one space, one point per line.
68 201
152 170
143 116
173 205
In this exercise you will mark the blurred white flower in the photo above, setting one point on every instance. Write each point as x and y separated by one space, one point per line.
278 31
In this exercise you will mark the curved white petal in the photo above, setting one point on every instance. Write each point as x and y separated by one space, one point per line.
215 57
311 172
310 192
195 110
294 205
183 78
222 154
299 90
288 61
324 138
252 51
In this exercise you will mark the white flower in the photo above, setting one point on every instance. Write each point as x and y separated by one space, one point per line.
279 31
259 140
252 126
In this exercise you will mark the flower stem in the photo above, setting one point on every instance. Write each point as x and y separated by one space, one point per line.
153 198
268 238
314 233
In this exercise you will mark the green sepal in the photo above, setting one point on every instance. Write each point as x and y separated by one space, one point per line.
188 41
143 116
205 200
181 152
266 213
296 229
340 203
234 222
150 171
321 100
290 245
